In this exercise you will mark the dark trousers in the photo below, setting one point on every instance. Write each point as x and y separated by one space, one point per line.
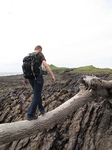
37 86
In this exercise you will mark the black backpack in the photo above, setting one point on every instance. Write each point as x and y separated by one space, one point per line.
31 68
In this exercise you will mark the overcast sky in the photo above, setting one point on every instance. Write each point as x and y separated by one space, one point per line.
73 33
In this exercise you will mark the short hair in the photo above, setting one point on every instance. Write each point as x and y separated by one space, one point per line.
38 47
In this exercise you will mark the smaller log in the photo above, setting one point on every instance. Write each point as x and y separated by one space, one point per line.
93 82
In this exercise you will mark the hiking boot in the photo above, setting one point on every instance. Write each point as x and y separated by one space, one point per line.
32 118
42 113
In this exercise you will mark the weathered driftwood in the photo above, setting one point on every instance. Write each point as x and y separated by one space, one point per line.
94 82
21 129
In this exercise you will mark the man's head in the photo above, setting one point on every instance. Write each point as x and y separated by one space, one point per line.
38 48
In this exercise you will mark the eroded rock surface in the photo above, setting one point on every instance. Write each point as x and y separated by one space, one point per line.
88 128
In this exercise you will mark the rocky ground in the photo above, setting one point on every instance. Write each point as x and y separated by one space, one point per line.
88 128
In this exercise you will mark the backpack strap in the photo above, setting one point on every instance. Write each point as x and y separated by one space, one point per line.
35 55
32 69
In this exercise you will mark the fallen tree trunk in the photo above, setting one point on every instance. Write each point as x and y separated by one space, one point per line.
21 129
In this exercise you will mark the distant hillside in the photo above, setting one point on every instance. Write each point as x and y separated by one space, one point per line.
92 69
84 69
54 68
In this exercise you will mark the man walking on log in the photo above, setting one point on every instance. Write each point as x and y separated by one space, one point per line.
37 84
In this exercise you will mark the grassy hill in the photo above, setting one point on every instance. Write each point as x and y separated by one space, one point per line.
54 68
84 69
92 69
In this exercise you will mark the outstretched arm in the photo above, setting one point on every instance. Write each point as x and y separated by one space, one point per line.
49 70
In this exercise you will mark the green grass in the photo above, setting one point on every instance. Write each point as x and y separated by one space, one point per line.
84 69
54 68
92 69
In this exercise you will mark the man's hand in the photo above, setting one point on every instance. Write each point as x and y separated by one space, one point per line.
53 79
26 82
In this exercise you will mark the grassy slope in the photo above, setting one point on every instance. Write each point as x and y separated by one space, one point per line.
85 69
92 69
54 68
